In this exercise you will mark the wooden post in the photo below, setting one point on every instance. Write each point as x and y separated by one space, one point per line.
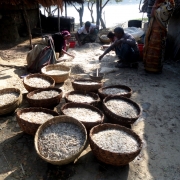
28 25
58 20
65 9
40 22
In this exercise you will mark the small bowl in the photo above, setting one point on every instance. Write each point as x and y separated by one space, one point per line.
94 76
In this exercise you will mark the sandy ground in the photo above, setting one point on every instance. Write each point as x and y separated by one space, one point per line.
158 126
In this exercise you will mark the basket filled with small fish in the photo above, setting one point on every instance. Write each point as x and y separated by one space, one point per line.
115 90
10 99
114 144
121 110
57 71
37 81
89 115
86 85
104 39
82 97
29 119
46 98
60 140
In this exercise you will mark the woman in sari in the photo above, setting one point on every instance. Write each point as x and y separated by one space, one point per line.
155 40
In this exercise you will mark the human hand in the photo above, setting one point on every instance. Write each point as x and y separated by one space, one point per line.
100 57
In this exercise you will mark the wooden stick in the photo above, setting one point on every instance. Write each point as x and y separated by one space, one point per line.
28 25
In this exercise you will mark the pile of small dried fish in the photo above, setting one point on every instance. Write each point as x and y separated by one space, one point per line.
116 141
86 82
37 82
36 117
83 114
6 98
45 94
122 108
115 91
60 141
56 72
104 37
80 98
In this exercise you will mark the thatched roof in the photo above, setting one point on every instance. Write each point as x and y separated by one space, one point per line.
45 3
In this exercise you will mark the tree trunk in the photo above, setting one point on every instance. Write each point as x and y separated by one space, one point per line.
81 11
91 10
97 12
101 20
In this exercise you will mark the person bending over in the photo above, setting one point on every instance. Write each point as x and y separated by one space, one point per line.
60 41
126 48
87 33
112 38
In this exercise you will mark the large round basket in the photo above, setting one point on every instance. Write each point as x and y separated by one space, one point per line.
127 94
86 85
59 120
87 124
31 127
59 78
105 40
45 103
37 75
12 105
95 96
109 157
116 119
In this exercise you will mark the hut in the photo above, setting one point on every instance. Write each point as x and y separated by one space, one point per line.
19 17
173 37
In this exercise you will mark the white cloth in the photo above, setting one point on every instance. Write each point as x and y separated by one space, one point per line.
83 29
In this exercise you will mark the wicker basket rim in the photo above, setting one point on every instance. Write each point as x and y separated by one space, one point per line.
59 119
125 99
3 91
36 109
43 76
114 86
83 92
78 105
45 89
97 83
55 65
119 127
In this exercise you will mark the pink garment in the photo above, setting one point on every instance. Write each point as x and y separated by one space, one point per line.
65 34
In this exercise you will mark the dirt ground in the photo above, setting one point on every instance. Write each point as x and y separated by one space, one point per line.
158 126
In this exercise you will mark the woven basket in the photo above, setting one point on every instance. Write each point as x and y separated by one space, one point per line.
104 41
88 125
57 120
58 78
96 78
11 107
108 157
93 103
103 95
31 127
45 103
86 87
116 119
37 75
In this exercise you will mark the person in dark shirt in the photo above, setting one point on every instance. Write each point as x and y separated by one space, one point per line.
60 41
112 38
126 48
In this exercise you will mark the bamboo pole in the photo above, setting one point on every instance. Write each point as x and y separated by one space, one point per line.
65 9
58 20
40 21
28 25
